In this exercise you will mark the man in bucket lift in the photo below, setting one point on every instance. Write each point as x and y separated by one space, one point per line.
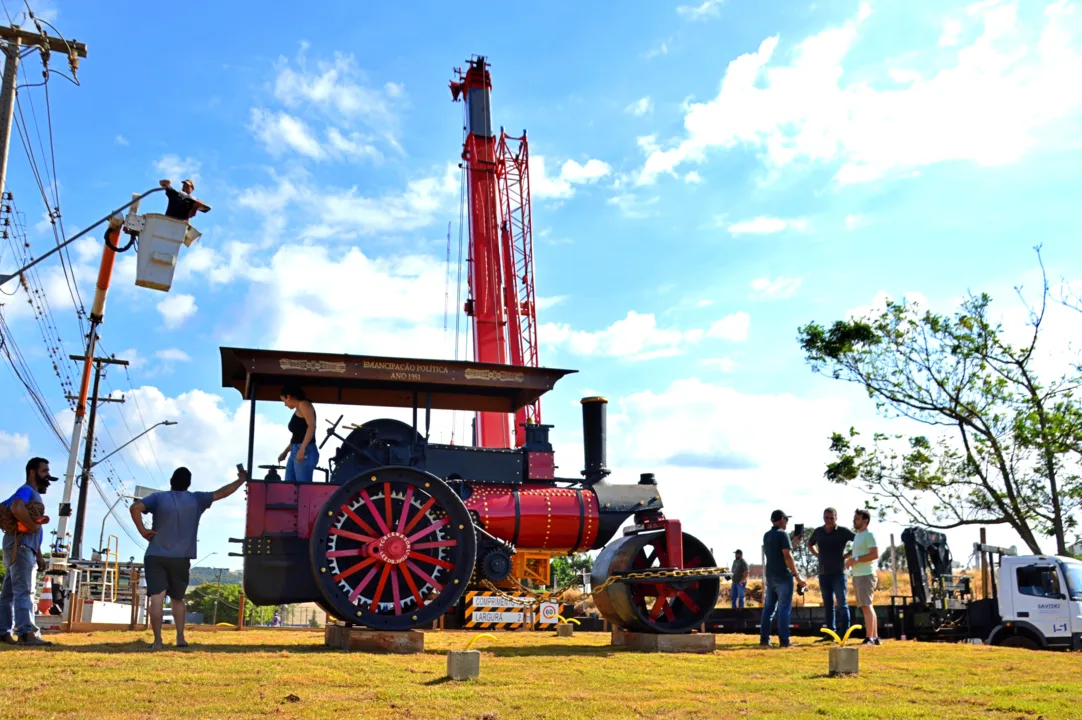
182 205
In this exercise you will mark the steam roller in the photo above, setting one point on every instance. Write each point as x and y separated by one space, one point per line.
403 527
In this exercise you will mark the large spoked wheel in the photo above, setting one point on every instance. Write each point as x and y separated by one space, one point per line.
393 549
673 606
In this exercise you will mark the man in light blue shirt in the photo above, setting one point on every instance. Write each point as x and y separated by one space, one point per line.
862 567
172 545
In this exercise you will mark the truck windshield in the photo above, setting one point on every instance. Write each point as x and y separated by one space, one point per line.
1073 571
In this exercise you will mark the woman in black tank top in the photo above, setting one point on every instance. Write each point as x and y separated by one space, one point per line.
301 456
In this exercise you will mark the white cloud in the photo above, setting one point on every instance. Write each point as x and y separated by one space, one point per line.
1002 94
766 226
693 177
731 327
642 106
780 288
172 355
703 11
121 140
176 168
879 304
345 213
280 131
856 220
662 49
638 337
724 364
14 445
571 174
176 308
544 303
952 29
632 205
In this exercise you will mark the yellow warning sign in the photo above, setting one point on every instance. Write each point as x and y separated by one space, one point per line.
492 612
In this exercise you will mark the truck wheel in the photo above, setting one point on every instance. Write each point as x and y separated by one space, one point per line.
1019 641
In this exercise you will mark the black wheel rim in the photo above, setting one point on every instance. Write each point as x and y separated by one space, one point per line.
393 564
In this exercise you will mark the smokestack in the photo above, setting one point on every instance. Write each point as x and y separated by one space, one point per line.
593 437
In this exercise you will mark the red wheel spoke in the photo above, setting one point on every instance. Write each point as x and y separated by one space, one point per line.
659 604
424 576
669 614
691 605
355 552
394 593
380 586
352 536
420 514
356 568
375 513
357 519
405 509
434 526
435 544
387 502
412 585
431 560
364 583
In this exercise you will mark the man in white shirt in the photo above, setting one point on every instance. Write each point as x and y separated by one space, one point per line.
862 567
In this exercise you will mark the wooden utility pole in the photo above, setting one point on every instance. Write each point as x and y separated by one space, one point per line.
18 43
88 457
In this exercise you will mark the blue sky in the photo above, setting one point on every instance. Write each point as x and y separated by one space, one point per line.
706 177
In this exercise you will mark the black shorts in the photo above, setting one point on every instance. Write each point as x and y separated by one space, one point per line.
167 574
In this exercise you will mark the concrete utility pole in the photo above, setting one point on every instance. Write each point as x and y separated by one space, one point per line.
217 595
15 39
88 457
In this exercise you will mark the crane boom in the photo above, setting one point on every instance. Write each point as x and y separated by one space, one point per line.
501 275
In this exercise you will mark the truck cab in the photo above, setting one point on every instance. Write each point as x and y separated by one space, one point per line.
1040 603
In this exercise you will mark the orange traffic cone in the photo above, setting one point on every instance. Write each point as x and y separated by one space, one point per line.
45 602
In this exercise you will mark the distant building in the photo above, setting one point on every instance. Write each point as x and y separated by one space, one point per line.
755 571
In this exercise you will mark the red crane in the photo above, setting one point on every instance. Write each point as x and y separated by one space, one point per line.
501 276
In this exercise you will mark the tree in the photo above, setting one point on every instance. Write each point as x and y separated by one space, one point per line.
884 558
566 570
1015 441
201 599
806 562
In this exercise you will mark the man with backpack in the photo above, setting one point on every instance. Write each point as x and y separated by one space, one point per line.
172 547
22 516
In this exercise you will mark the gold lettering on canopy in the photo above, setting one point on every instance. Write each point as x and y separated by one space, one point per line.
313 365
498 375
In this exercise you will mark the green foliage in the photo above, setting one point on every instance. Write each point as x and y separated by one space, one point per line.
201 599
884 558
805 561
566 570
1007 444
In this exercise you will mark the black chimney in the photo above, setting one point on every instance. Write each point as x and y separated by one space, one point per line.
593 437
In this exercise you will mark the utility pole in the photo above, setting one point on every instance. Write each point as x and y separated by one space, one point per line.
88 456
217 595
15 39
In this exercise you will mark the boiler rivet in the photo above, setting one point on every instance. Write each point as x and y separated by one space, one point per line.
323 570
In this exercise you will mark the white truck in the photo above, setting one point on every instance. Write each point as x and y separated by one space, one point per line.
1035 601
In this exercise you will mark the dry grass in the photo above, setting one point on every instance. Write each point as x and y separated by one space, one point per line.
527 675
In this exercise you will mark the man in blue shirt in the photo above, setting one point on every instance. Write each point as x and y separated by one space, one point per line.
778 579
172 539
22 556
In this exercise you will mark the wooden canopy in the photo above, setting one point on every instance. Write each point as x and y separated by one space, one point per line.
384 381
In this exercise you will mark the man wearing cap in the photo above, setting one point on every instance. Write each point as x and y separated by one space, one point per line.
780 573
22 556
182 205
740 580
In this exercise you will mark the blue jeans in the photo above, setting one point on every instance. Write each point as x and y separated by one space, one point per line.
833 589
301 471
738 595
777 603
18 591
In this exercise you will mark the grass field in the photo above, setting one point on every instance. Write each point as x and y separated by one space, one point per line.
526 675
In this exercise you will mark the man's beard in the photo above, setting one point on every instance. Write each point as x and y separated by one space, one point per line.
43 487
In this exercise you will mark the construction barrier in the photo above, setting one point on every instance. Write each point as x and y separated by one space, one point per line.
488 611
45 602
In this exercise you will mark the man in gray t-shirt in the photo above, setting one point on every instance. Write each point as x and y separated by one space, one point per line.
172 547
740 579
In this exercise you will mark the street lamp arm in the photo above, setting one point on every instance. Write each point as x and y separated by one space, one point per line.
5 279
99 461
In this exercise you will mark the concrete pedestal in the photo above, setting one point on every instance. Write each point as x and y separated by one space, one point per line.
649 642
464 664
375 641
565 630
844 660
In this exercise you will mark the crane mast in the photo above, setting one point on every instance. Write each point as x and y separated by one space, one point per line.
501 274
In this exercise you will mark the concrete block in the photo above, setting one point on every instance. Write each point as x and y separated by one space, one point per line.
374 641
649 642
619 637
464 664
844 660
565 630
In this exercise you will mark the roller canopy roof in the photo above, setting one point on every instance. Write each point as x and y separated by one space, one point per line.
384 381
